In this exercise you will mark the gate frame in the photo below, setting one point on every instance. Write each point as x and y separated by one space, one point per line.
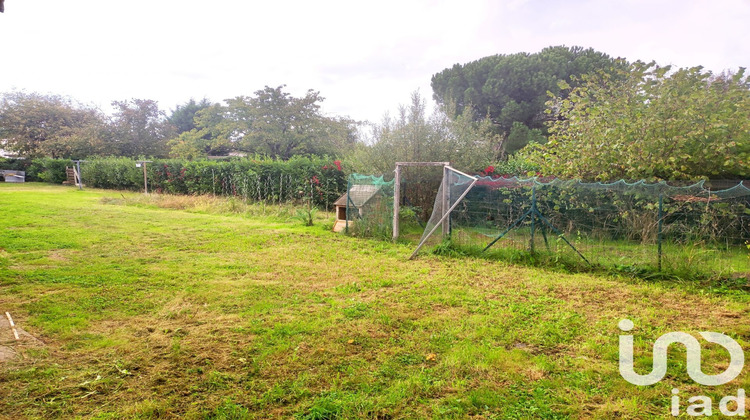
397 190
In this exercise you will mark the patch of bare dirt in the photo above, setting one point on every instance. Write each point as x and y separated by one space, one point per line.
7 353
9 346
58 256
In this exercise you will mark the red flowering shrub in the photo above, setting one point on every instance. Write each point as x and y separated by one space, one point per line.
488 171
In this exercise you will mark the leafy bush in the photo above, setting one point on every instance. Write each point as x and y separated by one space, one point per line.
48 170
515 165
319 179
112 173
649 122
17 165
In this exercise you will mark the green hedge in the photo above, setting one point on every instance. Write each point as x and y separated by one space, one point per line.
39 170
17 165
258 179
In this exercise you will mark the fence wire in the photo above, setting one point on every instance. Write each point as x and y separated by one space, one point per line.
689 230
700 228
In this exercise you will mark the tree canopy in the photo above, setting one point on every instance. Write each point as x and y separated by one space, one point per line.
183 116
512 89
196 129
650 122
140 128
272 123
414 136
34 125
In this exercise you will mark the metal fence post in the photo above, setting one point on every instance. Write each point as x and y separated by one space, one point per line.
396 201
659 229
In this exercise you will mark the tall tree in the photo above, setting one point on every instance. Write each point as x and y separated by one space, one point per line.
513 89
280 125
194 139
415 136
650 122
272 123
183 116
139 128
35 125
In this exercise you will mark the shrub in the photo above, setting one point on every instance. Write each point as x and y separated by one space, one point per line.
48 170
320 179
18 165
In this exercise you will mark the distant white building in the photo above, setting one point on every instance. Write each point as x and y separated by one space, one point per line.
8 155
233 153
5 153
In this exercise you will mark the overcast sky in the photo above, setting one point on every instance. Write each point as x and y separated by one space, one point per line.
364 57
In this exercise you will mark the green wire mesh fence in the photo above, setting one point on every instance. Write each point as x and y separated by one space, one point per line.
699 229
696 230
369 206
370 210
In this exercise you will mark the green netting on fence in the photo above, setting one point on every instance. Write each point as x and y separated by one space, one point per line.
698 229
451 192
695 230
369 206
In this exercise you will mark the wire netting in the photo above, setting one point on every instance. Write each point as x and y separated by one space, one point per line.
695 230
452 190
698 229
270 188
369 206
419 186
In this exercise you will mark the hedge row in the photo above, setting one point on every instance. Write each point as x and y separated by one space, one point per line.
257 179
39 170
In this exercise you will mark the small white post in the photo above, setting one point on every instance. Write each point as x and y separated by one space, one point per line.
12 325
145 179
446 202
396 201
142 163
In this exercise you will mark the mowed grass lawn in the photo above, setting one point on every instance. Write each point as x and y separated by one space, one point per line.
147 312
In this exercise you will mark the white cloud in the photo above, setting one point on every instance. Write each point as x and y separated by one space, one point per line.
365 58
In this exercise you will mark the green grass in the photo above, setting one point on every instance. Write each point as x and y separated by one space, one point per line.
215 309
725 268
